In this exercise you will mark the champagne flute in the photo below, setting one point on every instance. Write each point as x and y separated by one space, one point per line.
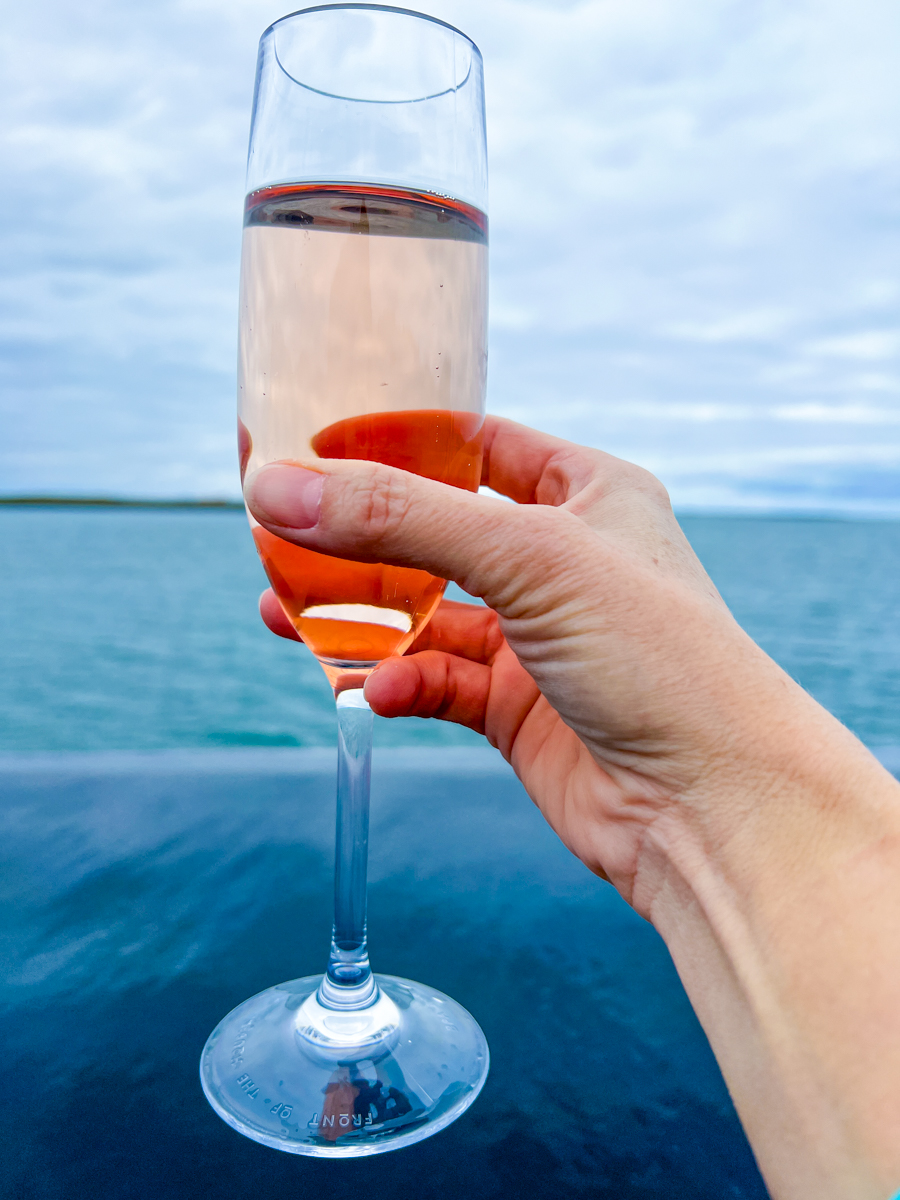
362 335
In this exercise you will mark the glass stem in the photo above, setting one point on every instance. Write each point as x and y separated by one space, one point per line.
349 982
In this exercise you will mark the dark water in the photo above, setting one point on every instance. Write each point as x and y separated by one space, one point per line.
145 893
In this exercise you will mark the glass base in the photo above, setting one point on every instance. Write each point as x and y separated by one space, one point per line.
290 1073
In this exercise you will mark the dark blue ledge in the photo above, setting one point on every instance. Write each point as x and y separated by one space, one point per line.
146 894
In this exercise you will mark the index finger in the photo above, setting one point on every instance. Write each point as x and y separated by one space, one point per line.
535 468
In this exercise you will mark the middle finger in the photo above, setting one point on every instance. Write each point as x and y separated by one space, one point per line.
469 631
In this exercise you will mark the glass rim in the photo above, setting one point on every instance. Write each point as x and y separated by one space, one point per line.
404 12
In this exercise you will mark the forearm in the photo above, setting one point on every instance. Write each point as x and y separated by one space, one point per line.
785 930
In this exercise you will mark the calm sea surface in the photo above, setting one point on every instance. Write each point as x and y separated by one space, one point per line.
137 629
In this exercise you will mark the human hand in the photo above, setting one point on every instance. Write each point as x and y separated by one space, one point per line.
670 754
603 667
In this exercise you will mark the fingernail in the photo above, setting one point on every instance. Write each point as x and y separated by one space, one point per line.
283 495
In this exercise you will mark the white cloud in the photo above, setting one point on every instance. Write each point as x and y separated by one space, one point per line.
757 325
694 223
871 346
851 414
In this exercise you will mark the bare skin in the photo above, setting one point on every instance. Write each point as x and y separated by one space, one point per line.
671 755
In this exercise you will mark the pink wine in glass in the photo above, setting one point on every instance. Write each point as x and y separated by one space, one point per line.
363 314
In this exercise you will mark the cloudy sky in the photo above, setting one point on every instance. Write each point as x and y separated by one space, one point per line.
695 240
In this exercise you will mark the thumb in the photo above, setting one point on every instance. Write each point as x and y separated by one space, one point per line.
504 553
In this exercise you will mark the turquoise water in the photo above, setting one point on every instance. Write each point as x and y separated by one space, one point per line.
137 629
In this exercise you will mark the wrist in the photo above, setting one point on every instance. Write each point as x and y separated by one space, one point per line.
776 886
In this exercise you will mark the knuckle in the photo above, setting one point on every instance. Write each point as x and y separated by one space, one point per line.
384 502
565 474
639 479
655 489
492 638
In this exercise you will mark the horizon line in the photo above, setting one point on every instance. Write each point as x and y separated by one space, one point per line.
118 502
220 504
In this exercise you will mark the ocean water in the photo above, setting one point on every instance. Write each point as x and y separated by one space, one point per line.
180 860
137 629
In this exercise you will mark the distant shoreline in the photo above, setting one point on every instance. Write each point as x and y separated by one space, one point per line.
109 502
211 505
